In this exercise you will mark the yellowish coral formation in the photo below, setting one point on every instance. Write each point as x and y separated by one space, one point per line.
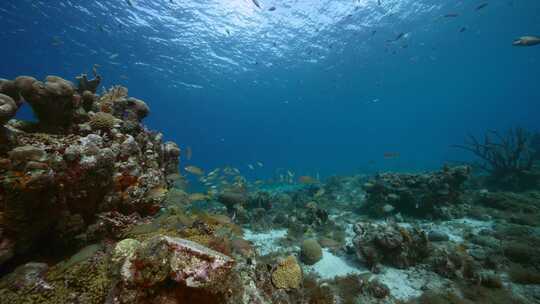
288 274
87 280
102 121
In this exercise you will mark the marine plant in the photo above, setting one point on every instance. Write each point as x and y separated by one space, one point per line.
508 157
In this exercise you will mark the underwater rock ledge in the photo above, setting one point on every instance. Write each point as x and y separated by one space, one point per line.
88 157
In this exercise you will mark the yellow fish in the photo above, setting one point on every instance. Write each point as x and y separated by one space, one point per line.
194 170
195 197
306 179
156 193
320 192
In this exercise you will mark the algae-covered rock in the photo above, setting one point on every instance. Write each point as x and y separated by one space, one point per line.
165 264
181 260
288 274
390 244
310 252
30 276
8 108
418 194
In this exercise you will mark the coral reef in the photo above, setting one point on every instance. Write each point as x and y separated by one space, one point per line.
390 244
57 178
415 194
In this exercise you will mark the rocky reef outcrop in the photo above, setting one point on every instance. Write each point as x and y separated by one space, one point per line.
147 270
86 155
421 194
390 244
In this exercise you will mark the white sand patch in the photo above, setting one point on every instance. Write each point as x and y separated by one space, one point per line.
331 266
405 284
399 283
266 242
457 228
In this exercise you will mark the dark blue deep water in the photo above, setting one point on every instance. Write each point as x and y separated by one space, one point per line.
325 86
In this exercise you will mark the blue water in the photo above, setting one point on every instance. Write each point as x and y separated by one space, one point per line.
314 86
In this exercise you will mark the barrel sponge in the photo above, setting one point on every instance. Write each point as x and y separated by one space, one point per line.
288 274
311 252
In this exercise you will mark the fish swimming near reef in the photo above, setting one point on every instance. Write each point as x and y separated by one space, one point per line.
388 208
271 9
398 37
320 192
307 180
260 164
56 41
156 193
391 155
526 41
197 197
194 170
213 172
250 166
129 3
481 6
451 15
189 153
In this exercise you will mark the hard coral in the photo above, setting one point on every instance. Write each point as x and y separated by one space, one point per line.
390 244
102 121
310 252
52 101
415 194
288 274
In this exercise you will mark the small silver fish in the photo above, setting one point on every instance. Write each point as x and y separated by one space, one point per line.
526 41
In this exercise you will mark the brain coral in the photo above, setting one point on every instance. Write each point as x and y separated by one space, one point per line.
311 252
288 274
102 121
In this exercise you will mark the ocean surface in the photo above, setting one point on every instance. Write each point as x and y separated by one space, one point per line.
326 87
